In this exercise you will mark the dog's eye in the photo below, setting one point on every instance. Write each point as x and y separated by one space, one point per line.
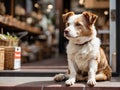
67 24
78 24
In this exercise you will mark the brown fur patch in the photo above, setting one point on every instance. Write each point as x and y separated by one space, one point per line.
103 65
66 16
90 17
83 29
103 61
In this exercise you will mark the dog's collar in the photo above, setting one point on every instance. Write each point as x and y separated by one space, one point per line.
84 43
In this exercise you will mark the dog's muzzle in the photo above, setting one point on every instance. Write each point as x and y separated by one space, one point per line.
66 31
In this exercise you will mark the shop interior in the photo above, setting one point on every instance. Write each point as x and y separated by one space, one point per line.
36 27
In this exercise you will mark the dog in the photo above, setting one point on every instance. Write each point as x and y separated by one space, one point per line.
86 59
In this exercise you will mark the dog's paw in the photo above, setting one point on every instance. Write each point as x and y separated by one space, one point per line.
91 82
59 77
70 82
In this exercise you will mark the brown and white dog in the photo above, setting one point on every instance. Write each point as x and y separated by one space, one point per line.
86 60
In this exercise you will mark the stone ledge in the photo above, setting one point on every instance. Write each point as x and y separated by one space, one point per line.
54 87
47 83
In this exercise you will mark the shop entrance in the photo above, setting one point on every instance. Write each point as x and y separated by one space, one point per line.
39 27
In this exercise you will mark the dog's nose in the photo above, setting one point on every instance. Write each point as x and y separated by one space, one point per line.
66 31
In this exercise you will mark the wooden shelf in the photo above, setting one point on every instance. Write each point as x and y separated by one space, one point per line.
103 31
12 23
105 44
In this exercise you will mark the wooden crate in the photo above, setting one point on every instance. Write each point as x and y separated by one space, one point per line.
1 58
12 58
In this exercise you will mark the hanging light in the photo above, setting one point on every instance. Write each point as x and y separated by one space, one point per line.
50 6
106 12
29 20
36 5
81 2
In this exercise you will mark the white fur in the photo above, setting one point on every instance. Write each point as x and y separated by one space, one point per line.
81 54
73 73
82 57
71 27
92 72
73 36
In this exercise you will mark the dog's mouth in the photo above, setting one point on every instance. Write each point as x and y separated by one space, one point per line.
69 36
66 35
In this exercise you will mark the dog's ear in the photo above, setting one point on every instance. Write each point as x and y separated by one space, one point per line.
90 17
66 16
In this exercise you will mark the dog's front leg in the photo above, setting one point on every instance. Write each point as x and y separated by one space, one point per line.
92 72
72 75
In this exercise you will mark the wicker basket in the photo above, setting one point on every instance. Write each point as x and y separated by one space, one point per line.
9 42
1 58
10 61
3 43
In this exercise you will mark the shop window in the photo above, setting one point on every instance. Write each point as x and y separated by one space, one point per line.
31 26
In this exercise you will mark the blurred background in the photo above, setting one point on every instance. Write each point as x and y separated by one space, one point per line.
37 27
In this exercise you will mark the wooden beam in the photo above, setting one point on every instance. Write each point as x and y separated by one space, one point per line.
12 8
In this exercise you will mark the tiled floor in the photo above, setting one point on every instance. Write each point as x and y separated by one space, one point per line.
46 82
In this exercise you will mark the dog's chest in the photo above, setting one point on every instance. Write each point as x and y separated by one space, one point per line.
80 55
78 51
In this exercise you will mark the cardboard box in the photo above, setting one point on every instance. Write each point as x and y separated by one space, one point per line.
12 58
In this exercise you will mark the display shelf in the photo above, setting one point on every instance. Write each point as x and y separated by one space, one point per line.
12 23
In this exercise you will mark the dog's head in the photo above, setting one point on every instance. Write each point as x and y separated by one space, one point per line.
79 25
